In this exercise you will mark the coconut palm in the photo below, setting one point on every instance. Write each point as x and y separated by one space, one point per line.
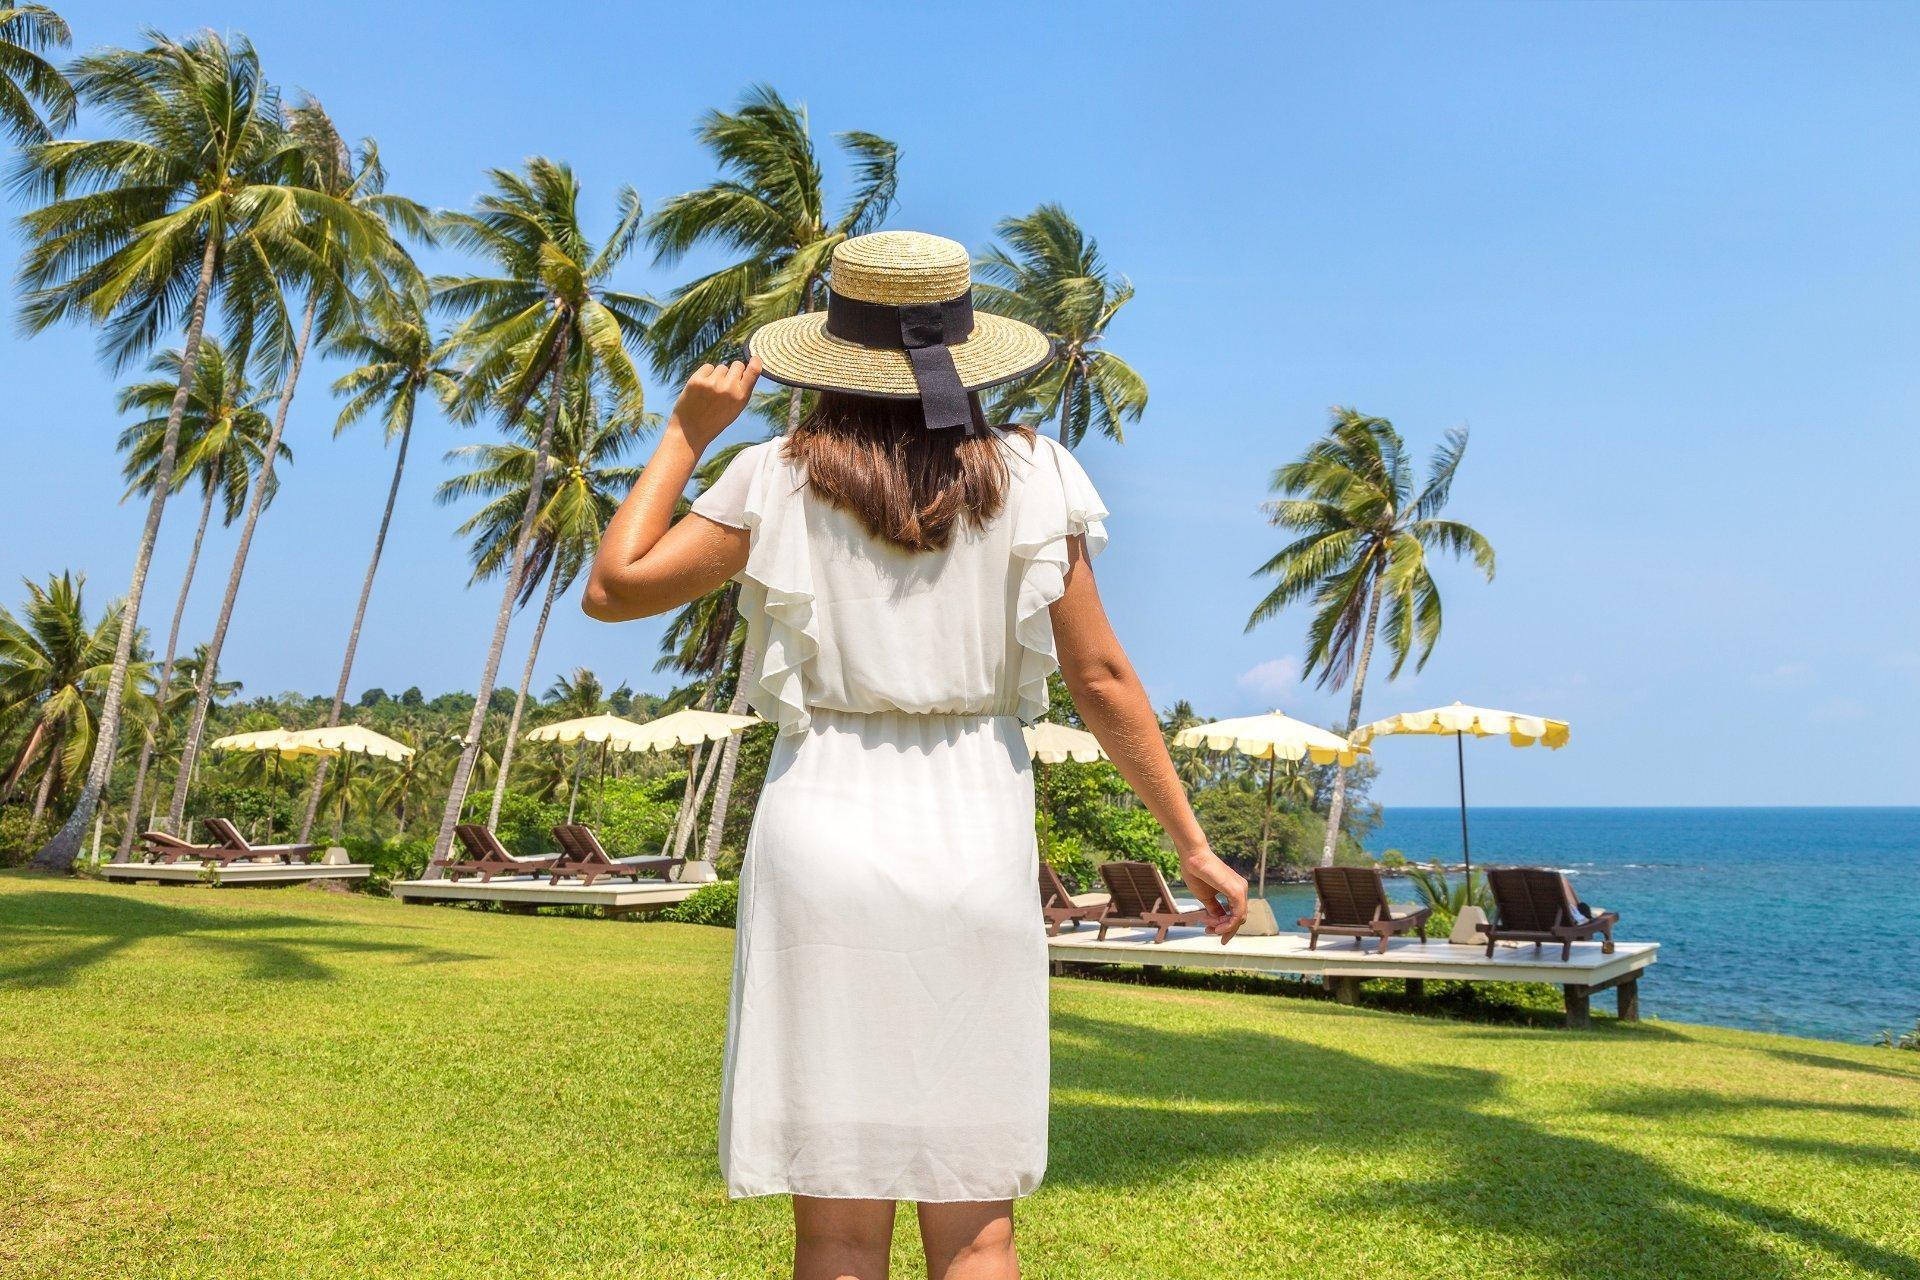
399 359
548 314
769 207
53 668
585 445
29 84
136 235
348 242
1050 274
408 784
1361 535
222 440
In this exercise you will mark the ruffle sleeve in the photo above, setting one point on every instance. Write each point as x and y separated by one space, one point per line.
761 493
1057 502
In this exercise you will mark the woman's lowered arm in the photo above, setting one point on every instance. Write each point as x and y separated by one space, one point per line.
1114 704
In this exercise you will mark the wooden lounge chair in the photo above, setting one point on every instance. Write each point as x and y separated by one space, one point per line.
158 846
486 857
1531 904
234 846
1352 902
581 855
1141 897
1059 907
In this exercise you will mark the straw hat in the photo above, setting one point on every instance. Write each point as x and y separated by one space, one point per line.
907 272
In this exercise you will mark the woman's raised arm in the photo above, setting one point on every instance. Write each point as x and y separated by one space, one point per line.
647 564
1114 705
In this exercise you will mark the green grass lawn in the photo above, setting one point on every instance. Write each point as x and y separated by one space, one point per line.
245 1082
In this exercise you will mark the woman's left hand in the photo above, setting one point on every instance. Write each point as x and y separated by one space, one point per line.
1213 881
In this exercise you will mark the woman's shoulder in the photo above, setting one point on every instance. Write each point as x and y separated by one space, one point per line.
1030 453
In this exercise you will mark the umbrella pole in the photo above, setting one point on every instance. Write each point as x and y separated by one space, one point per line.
573 789
1046 807
600 800
1266 826
1466 855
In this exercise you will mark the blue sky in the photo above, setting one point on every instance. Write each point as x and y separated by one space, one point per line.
1661 260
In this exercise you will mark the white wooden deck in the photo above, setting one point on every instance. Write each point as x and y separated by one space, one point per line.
1343 965
233 872
615 897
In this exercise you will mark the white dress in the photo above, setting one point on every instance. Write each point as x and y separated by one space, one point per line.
887 1036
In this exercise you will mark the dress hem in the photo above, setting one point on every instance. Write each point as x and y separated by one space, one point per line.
735 1194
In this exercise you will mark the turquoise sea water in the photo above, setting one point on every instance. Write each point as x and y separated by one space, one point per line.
1802 921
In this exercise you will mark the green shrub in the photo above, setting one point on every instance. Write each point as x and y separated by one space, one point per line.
526 825
16 848
715 904
390 859
637 814
1068 855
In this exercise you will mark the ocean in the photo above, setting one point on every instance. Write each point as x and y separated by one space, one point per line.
1800 921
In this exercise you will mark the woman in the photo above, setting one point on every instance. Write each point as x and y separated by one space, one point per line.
907 575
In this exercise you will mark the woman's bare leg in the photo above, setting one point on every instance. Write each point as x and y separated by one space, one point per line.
841 1239
971 1240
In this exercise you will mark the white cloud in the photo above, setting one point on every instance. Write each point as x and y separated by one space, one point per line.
1273 677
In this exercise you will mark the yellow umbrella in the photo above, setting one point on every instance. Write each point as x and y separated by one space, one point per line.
258 740
1051 743
1271 737
612 733
344 739
1482 722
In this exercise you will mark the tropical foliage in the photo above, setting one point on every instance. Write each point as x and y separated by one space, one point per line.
1050 274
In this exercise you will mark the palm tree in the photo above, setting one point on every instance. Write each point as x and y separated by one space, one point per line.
410 781
222 440
53 667
399 359
346 241
548 311
1361 533
29 84
585 444
135 236
572 697
769 207
1050 275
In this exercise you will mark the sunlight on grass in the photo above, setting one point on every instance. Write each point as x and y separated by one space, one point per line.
298 1083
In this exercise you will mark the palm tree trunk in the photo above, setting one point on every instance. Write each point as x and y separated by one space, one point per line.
520 698
125 851
470 749
359 618
59 852
28 750
729 758
256 501
1066 407
47 775
1339 803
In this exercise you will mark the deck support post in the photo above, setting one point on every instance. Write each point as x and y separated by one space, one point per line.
1628 992
1416 988
1345 990
1579 1012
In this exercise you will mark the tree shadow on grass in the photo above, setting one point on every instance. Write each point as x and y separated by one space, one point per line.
88 929
1892 1070
1577 1203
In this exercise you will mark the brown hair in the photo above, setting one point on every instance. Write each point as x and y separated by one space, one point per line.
875 459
